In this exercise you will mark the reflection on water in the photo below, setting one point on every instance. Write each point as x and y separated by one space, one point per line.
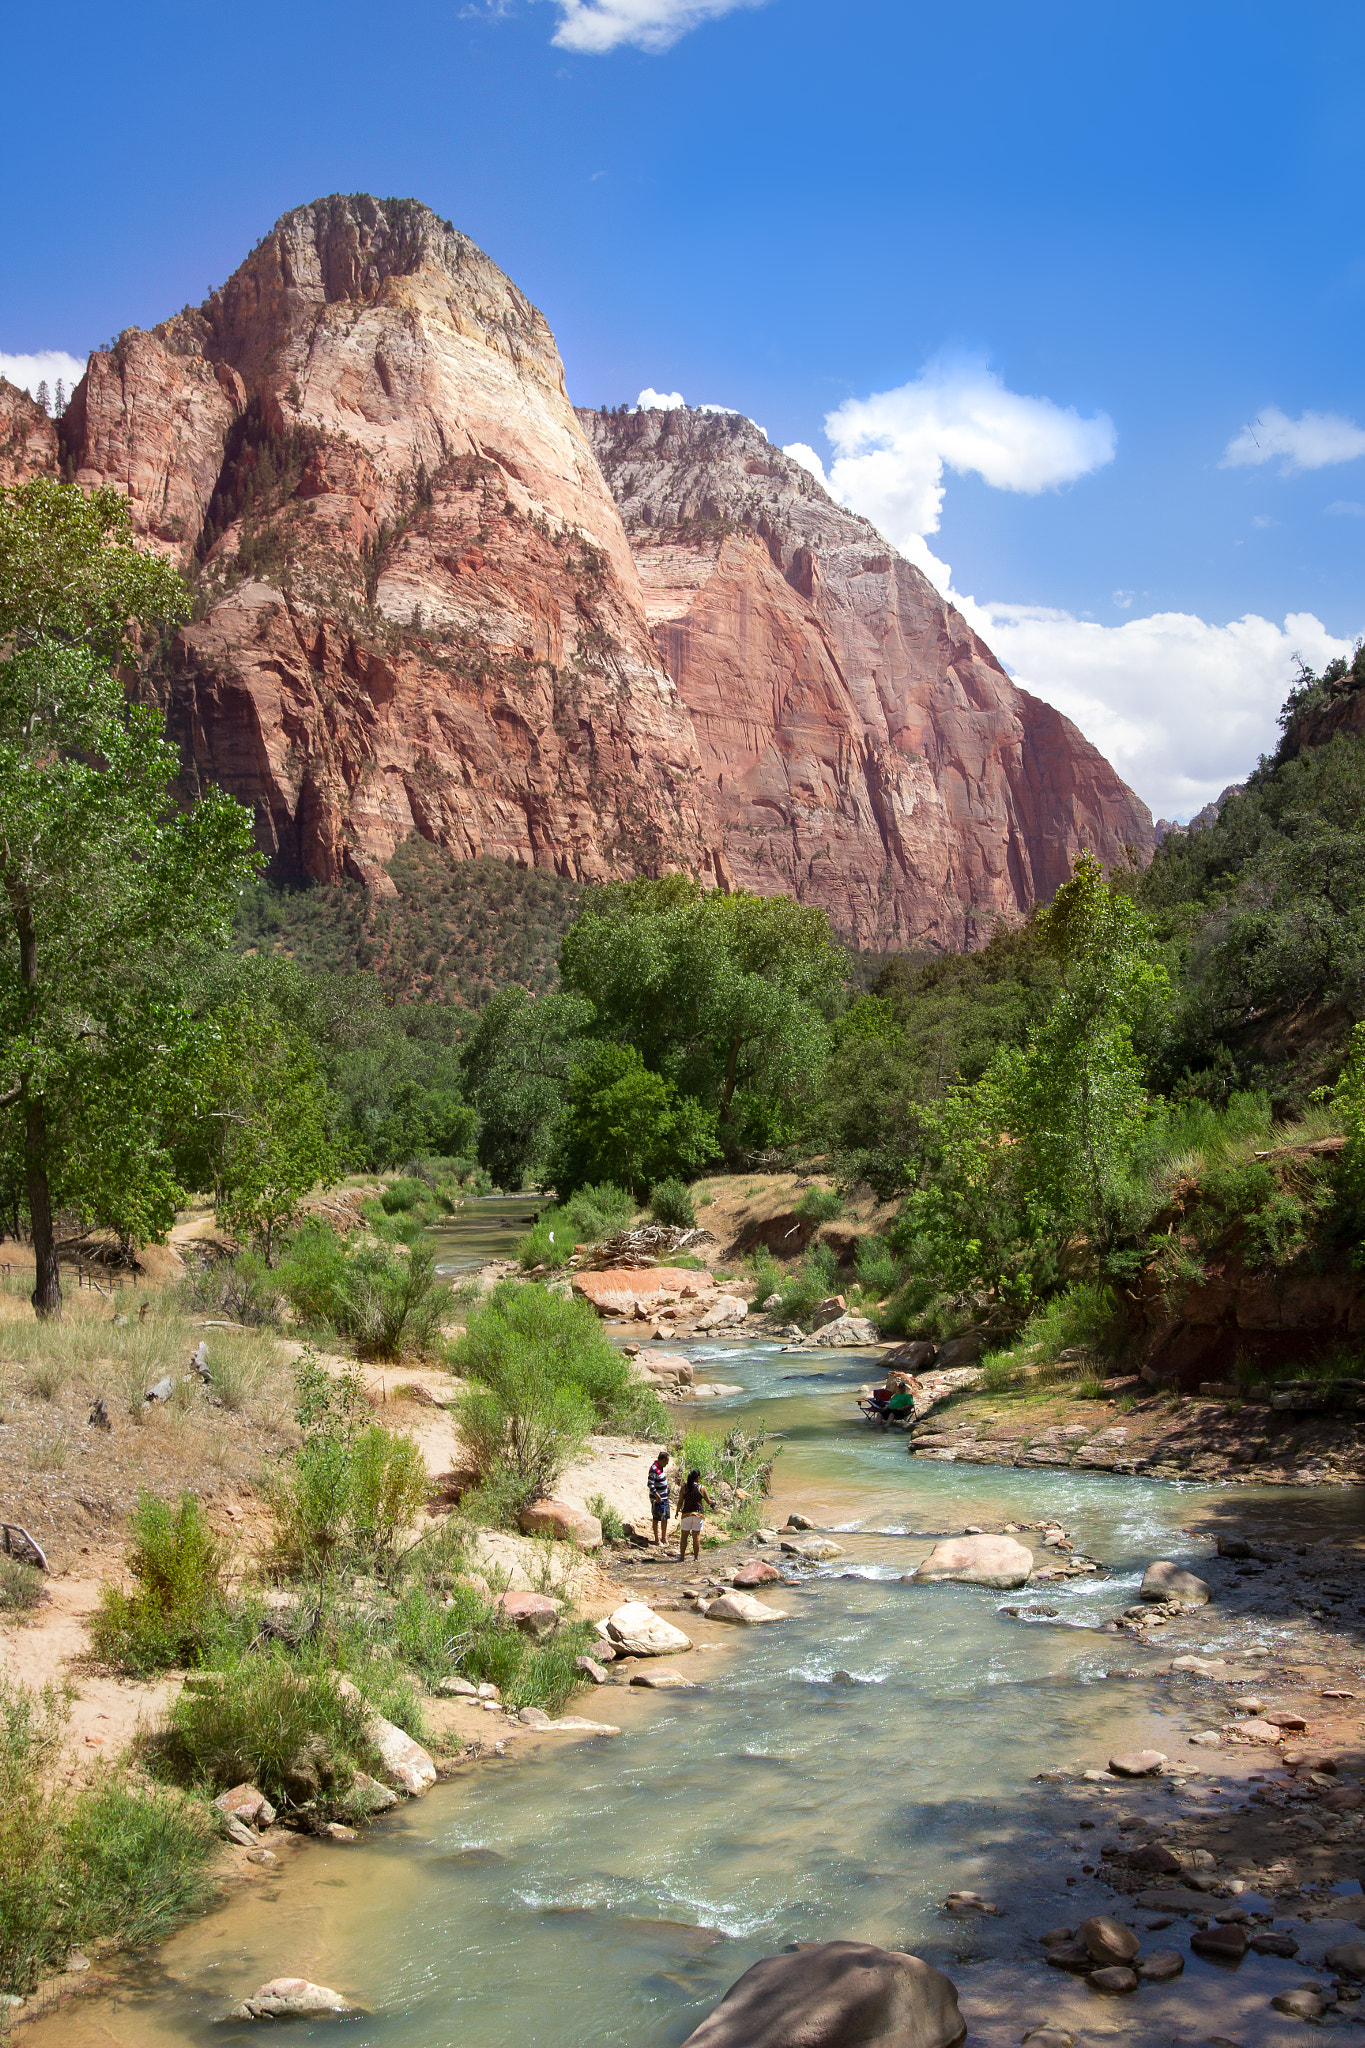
486 1227
611 1895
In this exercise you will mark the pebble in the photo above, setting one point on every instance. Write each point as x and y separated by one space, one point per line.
335 1832
1301 2003
1049 2037
1114 1980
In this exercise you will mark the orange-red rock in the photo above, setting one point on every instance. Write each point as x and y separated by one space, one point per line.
867 750
420 609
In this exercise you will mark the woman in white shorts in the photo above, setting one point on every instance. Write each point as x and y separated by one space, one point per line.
694 1498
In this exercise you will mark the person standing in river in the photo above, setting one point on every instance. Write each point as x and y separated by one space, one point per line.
658 1497
694 1498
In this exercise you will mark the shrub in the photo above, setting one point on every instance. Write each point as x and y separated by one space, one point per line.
596 1209
879 1268
242 1289
520 1436
613 1528
75 1866
820 1205
403 1195
289 1730
732 1465
179 1565
392 1307
21 1585
671 1202
389 1486
1085 1314
520 1328
804 1290
347 1490
311 1271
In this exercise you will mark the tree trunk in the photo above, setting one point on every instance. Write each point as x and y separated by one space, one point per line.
47 1289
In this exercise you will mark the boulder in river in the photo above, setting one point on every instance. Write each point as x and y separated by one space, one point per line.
1115 1978
1166 1581
1226 1944
287 1998
1348 1960
1163 1966
1137 1763
832 1994
759 1573
743 1607
405 1763
812 1549
643 1633
1108 1940
976 1561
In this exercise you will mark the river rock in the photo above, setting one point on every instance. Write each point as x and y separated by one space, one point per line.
1302 2003
616 1291
1109 1941
575 1724
245 1803
725 1310
743 1607
1254 1730
1166 1581
534 1717
1343 1799
795 1521
535 1614
911 1358
812 1549
290 1998
1152 1856
1291 1724
1049 2037
968 1902
834 1994
1201 1667
590 1668
643 1633
663 1679
1136 1763
556 1518
759 1573
458 1688
406 1764
845 1331
1270 1941
1348 1960
976 1561
1071 1955
1115 1979
1227 1944
1163 1966
364 1797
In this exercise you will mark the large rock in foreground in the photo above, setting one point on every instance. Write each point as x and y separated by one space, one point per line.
1166 1581
404 1762
641 1632
568 1524
837 1994
977 1561
289 1998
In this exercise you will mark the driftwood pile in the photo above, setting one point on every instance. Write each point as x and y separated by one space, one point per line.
648 1244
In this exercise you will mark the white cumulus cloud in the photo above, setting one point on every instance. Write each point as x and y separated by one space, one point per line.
1346 508
890 450
592 27
44 366
1180 706
1312 441
802 452
651 400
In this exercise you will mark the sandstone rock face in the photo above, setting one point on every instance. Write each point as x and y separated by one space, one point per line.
422 612
867 750
834 1994
28 438
419 610
977 1561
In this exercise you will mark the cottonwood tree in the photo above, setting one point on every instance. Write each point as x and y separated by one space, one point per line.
104 880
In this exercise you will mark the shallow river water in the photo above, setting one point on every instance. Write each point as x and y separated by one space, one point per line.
608 1893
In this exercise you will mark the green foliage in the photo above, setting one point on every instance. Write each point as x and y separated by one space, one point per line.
820 1205
263 1112
178 1604
670 1201
622 1123
546 1377
21 1586
736 1470
1085 1315
352 1490
879 1269
806 1286
726 997
93 1047
263 1717
613 1528
590 1214
76 1867
517 1064
392 1306
402 1196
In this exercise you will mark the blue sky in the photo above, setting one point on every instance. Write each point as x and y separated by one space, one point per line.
1030 272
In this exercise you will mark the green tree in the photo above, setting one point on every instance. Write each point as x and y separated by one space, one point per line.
622 1123
517 1065
727 996
261 1122
104 879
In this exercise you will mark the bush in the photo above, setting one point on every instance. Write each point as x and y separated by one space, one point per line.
613 1528
521 1328
288 1729
21 1585
820 1205
392 1307
591 1213
736 1470
389 1486
242 1290
1086 1315
311 1272
879 1267
804 1290
519 1436
403 1195
671 1202
347 1491
75 1867
179 1565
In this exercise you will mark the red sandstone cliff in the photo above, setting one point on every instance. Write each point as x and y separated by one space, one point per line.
418 609
867 750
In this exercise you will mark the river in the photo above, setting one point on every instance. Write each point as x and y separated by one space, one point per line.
610 1892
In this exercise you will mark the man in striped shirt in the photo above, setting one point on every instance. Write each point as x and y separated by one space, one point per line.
658 1497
